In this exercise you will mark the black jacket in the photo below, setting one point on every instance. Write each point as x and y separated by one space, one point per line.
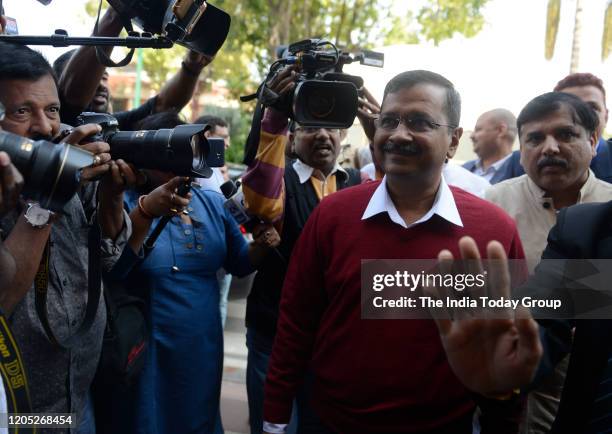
300 200
582 232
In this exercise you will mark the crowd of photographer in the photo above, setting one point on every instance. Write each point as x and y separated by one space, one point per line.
120 235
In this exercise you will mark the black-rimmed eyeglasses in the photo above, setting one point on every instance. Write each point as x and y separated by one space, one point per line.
416 124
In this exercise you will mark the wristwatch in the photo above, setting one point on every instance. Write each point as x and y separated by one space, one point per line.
37 216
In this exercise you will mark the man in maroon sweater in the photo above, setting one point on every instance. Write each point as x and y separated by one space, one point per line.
381 376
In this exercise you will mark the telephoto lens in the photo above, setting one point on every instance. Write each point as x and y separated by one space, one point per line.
52 172
183 150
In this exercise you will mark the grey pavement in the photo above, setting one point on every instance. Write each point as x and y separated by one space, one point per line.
234 407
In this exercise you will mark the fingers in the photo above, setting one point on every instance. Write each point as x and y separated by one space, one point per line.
284 81
266 235
127 173
370 98
499 274
101 156
441 317
468 248
530 346
80 133
11 183
93 173
97 148
180 201
175 183
368 108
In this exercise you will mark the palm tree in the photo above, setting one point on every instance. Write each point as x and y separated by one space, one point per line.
606 41
552 28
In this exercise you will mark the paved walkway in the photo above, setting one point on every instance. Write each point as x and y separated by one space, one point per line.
234 407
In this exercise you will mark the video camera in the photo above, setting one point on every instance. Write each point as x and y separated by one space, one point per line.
183 150
195 24
324 96
52 172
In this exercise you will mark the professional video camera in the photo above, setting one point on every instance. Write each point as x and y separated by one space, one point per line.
52 172
183 150
324 95
195 24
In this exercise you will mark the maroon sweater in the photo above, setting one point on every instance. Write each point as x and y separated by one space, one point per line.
370 376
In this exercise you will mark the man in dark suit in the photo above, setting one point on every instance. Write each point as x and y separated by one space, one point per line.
590 89
493 357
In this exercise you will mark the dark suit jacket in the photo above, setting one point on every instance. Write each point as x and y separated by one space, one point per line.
601 165
498 177
582 231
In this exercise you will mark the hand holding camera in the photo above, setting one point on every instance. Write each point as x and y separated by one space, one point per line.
11 183
264 234
164 200
100 150
367 112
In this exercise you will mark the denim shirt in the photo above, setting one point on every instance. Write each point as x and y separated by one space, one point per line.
59 379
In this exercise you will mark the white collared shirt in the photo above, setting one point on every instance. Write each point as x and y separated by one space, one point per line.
491 170
444 206
304 171
464 179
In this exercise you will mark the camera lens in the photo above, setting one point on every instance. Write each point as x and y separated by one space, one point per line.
320 104
196 147
51 171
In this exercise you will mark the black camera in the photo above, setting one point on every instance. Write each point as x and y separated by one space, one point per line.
52 172
183 150
195 24
324 96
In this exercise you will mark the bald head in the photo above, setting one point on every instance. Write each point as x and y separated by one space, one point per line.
494 134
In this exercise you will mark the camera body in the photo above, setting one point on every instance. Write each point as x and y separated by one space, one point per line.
52 172
183 150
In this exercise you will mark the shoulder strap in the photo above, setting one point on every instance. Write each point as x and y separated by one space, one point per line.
104 58
13 374
94 288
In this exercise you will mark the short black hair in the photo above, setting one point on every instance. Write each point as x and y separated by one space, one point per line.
161 120
213 121
60 63
22 63
550 102
408 79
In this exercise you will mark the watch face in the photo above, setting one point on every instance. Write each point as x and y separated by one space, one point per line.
37 216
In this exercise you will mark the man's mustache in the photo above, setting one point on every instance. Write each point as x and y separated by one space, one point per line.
37 137
408 149
551 161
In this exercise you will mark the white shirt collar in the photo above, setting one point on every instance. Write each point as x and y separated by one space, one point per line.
444 205
304 171
493 167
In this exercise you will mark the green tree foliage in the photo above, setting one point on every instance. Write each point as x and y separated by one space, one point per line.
441 19
259 26
606 39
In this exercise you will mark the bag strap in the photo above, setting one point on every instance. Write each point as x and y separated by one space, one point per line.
14 376
104 58
94 288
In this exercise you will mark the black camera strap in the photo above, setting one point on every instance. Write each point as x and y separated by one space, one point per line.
14 376
94 288
104 58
